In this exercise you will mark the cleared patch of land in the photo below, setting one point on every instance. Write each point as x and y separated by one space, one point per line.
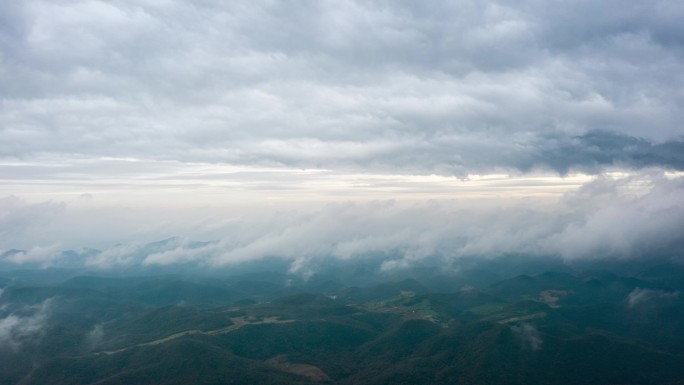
311 372
238 322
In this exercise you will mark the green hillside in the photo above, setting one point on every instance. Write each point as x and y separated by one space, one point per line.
588 327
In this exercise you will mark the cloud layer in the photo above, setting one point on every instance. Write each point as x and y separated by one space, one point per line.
340 128
450 87
638 216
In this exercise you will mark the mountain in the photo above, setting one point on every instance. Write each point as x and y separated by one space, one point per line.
594 326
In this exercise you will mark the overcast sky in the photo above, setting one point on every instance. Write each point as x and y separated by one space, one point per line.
142 119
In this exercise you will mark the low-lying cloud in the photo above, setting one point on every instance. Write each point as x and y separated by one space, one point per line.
643 296
27 322
636 216
124 123
529 335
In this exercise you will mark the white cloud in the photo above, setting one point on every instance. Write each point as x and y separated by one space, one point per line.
19 218
37 254
29 321
95 336
619 224
641 296
620 216
529 334
370 85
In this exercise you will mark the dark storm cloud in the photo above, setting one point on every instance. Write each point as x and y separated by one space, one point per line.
451 87
595 149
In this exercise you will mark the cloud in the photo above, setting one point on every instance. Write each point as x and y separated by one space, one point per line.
44 256
612 216
641 296
597 149
449 87
211 120
177 255
18 217
621 225
94 336
529 335
24 323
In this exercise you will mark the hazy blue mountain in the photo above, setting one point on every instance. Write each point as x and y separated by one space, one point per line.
590 324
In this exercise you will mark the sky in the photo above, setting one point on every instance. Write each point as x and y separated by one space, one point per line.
318 129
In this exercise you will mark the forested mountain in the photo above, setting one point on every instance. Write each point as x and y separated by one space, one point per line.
580 325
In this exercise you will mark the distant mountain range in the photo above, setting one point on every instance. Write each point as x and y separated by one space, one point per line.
619 324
